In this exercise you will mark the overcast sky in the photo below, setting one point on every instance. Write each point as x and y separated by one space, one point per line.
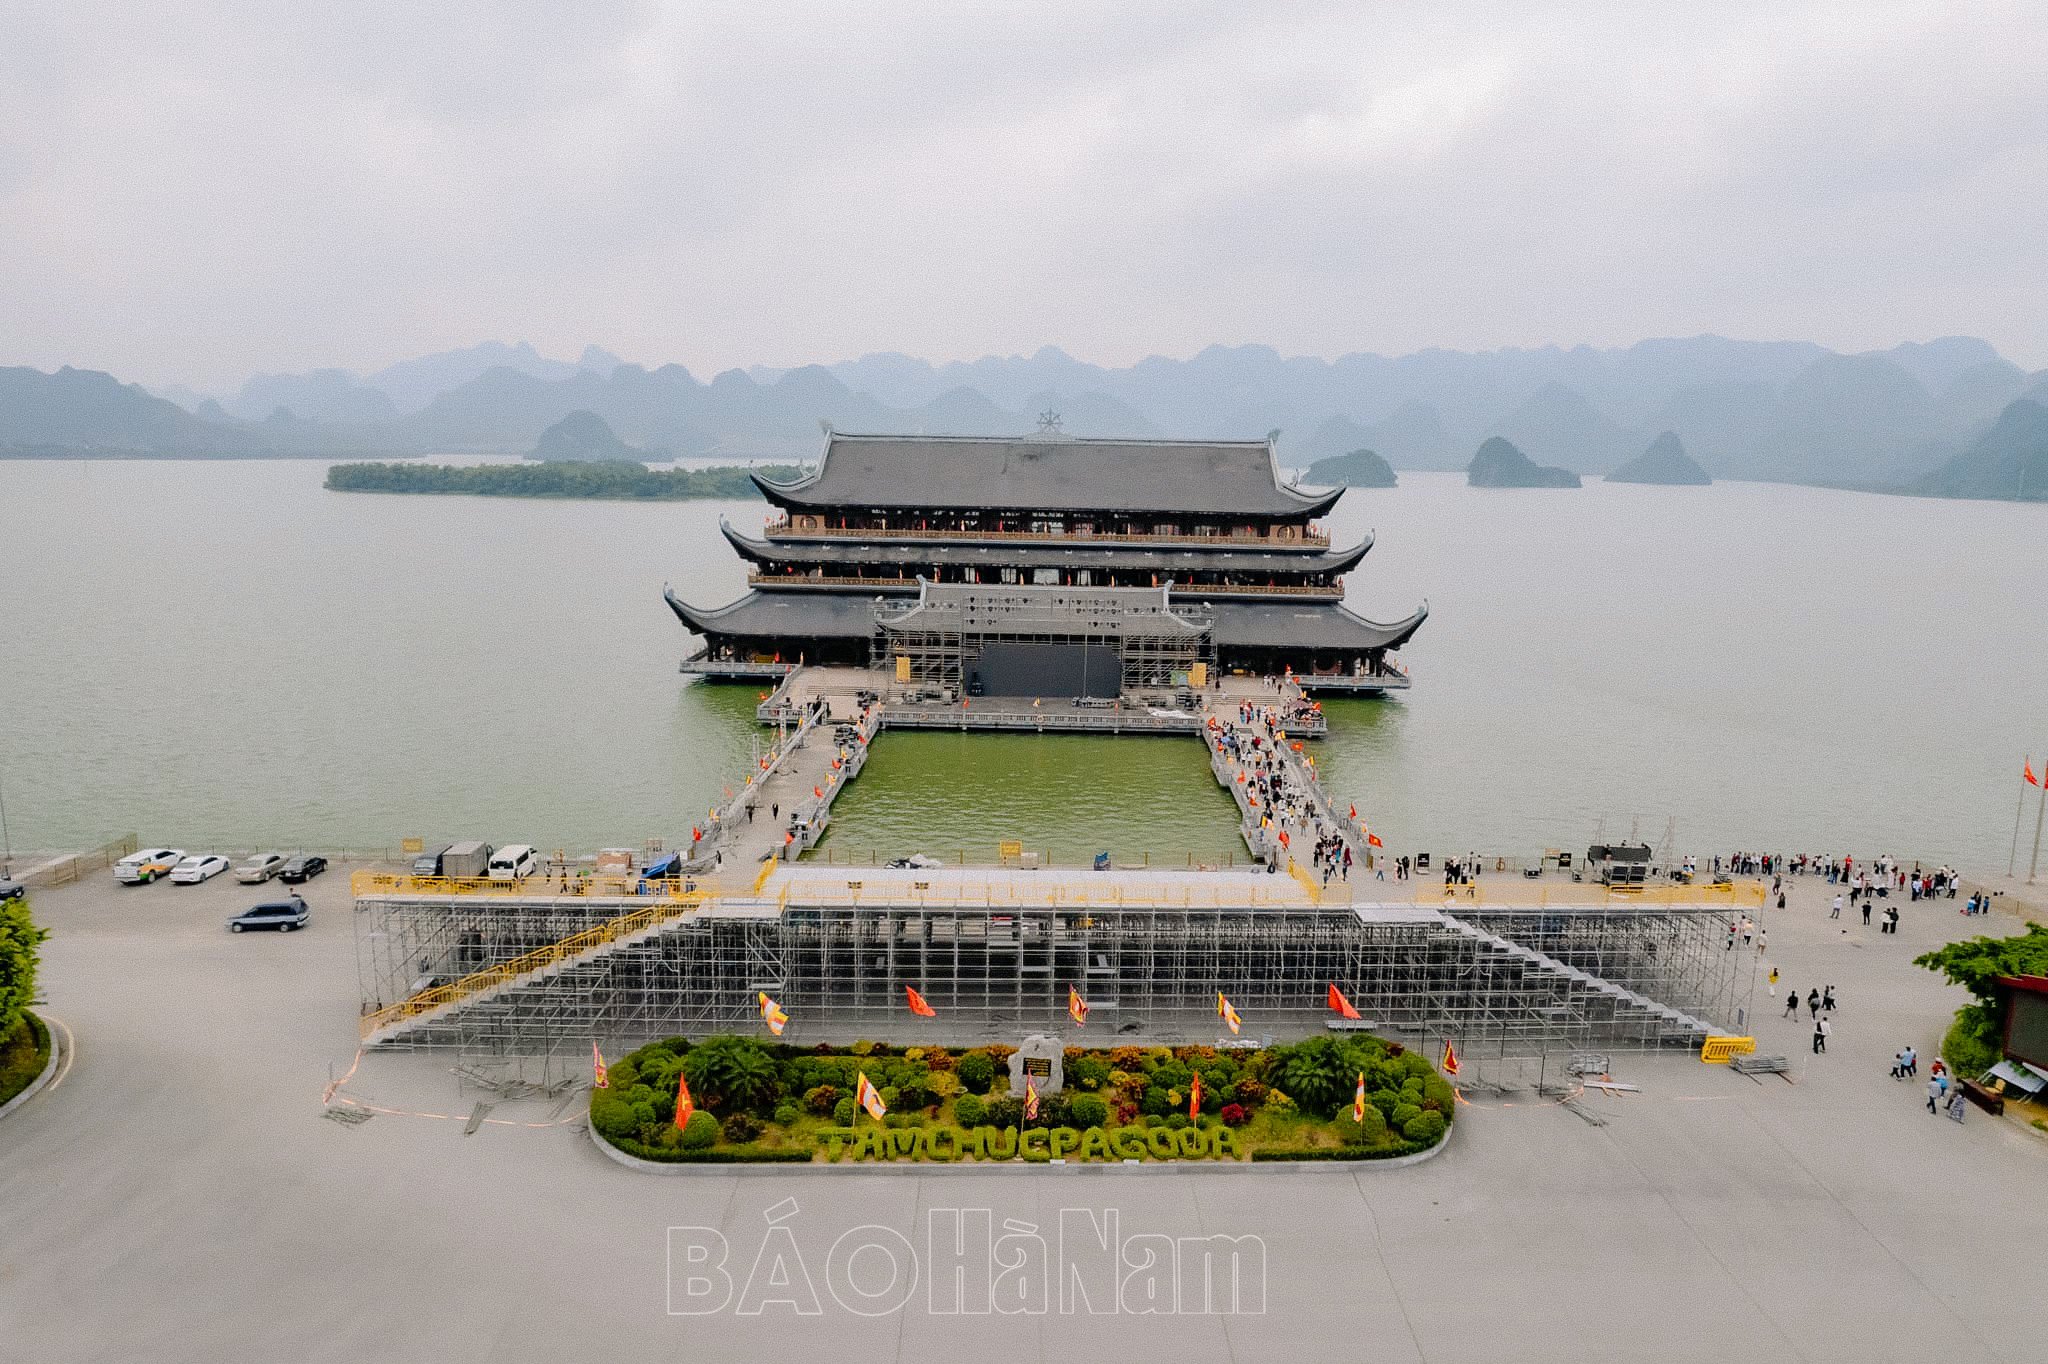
189 193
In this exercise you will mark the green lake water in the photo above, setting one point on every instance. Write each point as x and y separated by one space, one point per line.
226 654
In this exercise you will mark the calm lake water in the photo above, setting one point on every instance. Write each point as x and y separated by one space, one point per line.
226 653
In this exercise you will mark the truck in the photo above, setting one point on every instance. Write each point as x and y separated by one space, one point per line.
467 861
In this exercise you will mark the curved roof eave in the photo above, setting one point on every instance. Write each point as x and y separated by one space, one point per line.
756 551
700 620
1398 632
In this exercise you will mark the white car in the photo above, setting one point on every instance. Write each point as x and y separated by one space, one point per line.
197 868
259 868
140 868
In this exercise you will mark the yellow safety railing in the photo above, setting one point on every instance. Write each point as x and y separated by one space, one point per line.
1055 894
1718 1050
575 945
1308 882
372 883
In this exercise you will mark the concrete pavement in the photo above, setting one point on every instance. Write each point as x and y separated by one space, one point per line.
178 1195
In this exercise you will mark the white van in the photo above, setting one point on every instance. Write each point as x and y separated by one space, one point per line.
514 862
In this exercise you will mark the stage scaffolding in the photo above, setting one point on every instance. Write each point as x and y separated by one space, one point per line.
1518 984
946 628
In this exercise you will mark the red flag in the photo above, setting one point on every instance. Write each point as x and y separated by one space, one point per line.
1030 1100
685 1106
602 1077
1373 840
917 1004
2032 780
1450 1066
1354 812
1195 1097
1340 1005
1077 1007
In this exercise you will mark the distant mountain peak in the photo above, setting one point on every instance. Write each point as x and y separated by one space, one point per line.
1499 464
1665 462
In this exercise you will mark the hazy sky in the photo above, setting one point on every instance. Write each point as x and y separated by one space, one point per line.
192 192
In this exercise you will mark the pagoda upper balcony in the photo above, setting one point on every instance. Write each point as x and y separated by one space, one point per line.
1285 536
1189 591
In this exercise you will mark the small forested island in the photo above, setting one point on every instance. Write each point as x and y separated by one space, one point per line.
1499 464
616 479
583 435
1664 462
1359 469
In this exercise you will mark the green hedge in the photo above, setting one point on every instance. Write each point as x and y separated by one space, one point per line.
716 1155
23 1056
1399 1148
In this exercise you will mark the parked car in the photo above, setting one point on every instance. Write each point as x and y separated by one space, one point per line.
140 868
198 867
428 863
515 863
282 915
302 869
259 868
11 890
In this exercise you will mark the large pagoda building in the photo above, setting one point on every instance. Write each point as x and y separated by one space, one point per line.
1029 536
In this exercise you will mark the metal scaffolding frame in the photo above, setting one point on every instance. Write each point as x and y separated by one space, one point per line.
1148 972
950 623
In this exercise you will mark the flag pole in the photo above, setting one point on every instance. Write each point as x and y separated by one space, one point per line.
2034 863
2012 858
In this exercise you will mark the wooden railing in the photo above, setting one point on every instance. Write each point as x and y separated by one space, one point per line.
1315 591
782 529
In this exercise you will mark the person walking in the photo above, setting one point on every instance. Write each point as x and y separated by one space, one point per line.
1827 1000
1838 908
1912 1061
1936 1087
1898 1065
1820 1035
1792 1005
1866 913
1813 1003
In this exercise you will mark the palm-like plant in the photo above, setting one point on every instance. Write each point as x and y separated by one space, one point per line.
731 1073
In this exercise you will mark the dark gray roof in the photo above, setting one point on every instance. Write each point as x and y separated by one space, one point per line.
1074 554
1288 625
846 615
783 615
959 473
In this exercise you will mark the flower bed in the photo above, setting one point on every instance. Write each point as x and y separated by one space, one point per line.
763 1101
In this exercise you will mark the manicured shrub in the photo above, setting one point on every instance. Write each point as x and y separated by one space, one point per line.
1156 1101
1248 1091
1177 1121
822 1099
969 1111
612 1116
976 1071
1003 1112
1088 1072
1088 1110
942 1084
1233 1115
1386 1101
1126 1058
740 1128
1403 1114
843 1111
1374 1129
787 1113
862 1048
1425 1128
702 1131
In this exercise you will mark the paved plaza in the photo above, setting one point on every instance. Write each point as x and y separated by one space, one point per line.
179 1196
